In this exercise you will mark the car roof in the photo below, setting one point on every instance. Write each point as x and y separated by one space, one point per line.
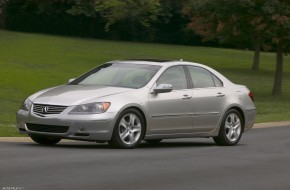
150 60
160 62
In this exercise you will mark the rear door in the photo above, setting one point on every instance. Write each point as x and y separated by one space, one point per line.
208 99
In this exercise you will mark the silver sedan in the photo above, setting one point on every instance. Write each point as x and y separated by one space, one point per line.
125 102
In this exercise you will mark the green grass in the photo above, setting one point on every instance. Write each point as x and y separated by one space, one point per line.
31 62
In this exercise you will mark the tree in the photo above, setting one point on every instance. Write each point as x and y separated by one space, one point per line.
277 13
170 25
231 22
131 15
259 22
3 4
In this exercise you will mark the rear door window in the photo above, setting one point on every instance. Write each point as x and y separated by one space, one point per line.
201 78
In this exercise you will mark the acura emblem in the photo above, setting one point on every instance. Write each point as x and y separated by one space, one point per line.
44 109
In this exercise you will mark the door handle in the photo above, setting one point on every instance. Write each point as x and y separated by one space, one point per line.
219 94
186 97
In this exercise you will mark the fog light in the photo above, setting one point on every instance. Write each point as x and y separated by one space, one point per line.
20 125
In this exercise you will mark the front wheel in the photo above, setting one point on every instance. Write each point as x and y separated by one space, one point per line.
129 129
44 140
231 129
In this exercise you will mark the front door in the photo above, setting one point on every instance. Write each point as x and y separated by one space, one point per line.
171 112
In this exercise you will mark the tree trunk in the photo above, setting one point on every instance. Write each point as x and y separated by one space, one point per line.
256 60
277 88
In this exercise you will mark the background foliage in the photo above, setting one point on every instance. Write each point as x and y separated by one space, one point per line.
130 20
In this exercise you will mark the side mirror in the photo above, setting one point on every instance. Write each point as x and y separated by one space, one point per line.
70 80
163 88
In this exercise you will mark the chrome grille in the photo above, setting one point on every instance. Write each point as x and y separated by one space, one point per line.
44 109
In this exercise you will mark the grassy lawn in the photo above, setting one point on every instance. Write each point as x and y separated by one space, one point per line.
31 62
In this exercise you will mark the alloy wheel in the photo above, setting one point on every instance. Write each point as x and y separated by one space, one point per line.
130 129
233 127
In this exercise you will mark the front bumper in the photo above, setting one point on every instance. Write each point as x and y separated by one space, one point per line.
80 127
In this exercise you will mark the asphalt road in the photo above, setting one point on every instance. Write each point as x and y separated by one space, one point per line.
260 161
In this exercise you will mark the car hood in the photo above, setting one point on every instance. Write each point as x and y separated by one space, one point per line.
75 94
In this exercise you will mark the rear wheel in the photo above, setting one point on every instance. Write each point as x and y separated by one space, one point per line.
231 129
45 140
129 129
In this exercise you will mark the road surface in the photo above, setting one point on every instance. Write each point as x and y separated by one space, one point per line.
260 161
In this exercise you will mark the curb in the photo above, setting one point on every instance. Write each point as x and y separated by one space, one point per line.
272 124
256 126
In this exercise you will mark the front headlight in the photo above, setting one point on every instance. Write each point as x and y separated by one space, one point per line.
92 108
26 105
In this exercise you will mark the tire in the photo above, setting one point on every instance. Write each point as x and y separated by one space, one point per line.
129 130
154 141
231 129
44 140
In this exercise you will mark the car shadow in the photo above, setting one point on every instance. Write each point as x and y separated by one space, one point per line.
143 145
175 144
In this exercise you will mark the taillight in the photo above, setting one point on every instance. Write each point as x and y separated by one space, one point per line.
251 96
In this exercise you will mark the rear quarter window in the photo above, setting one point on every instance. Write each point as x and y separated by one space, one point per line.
217 81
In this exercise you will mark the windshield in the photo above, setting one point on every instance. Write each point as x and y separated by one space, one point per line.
118 74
